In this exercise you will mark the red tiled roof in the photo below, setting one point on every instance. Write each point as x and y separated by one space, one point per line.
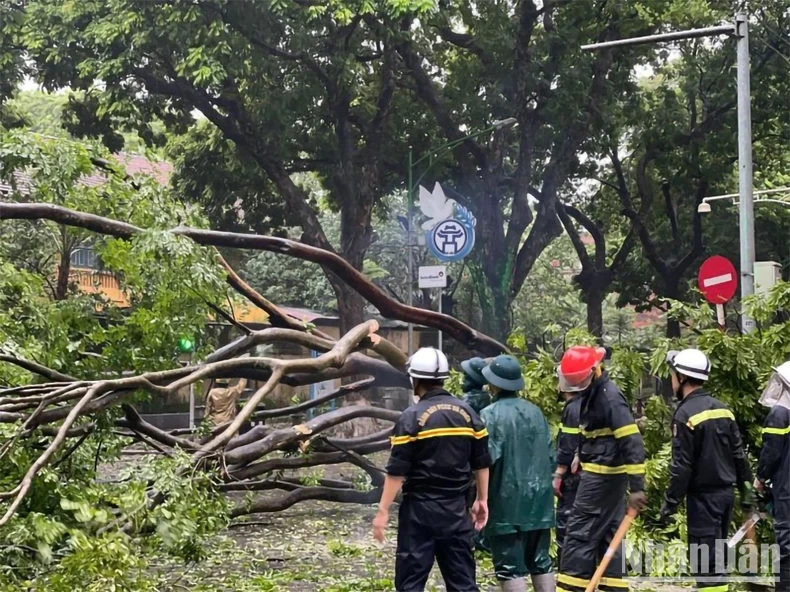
135 165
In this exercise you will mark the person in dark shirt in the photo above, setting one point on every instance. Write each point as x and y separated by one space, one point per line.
612 458
438 443
708 459
566 477
773 470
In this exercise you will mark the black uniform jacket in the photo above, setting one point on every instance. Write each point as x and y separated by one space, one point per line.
707 450
774 463
568 438
610 440
437 444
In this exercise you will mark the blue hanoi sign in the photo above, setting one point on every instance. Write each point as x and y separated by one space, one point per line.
450 227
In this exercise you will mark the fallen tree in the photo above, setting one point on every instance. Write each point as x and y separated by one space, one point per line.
63 413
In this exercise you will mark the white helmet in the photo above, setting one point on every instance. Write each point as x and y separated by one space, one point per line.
429 363
777 391
691 363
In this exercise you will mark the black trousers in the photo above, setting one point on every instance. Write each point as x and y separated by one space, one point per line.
709 516
782 527
570 484
440 530
597 512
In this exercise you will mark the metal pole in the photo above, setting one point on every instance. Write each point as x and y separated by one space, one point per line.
409 241
745 175
191 400
441 291
674 36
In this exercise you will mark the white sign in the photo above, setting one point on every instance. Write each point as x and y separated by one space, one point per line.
433 276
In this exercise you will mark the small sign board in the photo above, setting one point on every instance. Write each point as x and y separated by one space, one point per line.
433 276
717 280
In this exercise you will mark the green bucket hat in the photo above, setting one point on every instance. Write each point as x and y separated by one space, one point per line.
504 372
473 368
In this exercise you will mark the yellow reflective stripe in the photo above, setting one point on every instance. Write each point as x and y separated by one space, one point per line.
614 582
777 431
722 588
572 581
635 469
598 433
395 440
697 419
626 431
603 469
438 432
568 430
619 470
435 433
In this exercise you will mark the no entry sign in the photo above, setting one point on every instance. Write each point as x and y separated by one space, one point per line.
717 280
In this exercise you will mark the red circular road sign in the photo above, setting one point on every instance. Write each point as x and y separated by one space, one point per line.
717 279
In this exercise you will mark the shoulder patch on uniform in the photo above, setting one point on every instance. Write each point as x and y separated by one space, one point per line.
674 429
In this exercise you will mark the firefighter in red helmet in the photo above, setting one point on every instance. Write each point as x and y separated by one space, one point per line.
612 458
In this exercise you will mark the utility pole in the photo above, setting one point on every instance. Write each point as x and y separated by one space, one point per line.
409 247
745 173
740 29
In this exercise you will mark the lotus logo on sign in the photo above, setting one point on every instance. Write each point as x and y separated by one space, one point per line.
450 226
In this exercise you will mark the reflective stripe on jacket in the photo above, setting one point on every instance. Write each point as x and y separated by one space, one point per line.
568 438
437 444
610 440
707 449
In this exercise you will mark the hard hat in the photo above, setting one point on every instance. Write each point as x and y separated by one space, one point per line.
504 372
777 391
429 363
690 362
577 365
783 372
473 368
221 381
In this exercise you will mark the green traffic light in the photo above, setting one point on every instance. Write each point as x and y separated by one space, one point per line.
186 345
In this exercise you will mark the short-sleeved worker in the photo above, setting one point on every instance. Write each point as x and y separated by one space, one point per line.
437 444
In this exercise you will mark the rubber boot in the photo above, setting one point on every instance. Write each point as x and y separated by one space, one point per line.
517 585
543 582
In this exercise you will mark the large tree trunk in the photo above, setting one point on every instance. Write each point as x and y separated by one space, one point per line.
672 290
64 270
594 299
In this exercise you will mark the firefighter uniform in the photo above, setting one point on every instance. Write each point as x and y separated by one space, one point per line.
774 467
436 445
612 461
708 459
567 447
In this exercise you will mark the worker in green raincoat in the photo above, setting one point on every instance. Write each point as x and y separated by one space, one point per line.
473 384
521 496
478 399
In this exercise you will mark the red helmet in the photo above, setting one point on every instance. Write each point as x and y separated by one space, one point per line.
578 363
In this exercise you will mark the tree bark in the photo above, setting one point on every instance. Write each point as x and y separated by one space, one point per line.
386 305
64 268
594 299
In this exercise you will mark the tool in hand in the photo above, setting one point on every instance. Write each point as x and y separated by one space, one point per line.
744 530
613 546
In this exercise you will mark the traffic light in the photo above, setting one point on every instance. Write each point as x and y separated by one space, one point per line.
186 345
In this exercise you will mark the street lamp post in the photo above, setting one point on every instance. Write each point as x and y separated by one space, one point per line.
432 154
740 30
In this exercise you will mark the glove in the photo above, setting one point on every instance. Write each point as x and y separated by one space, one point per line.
748 498
665 516
637 500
